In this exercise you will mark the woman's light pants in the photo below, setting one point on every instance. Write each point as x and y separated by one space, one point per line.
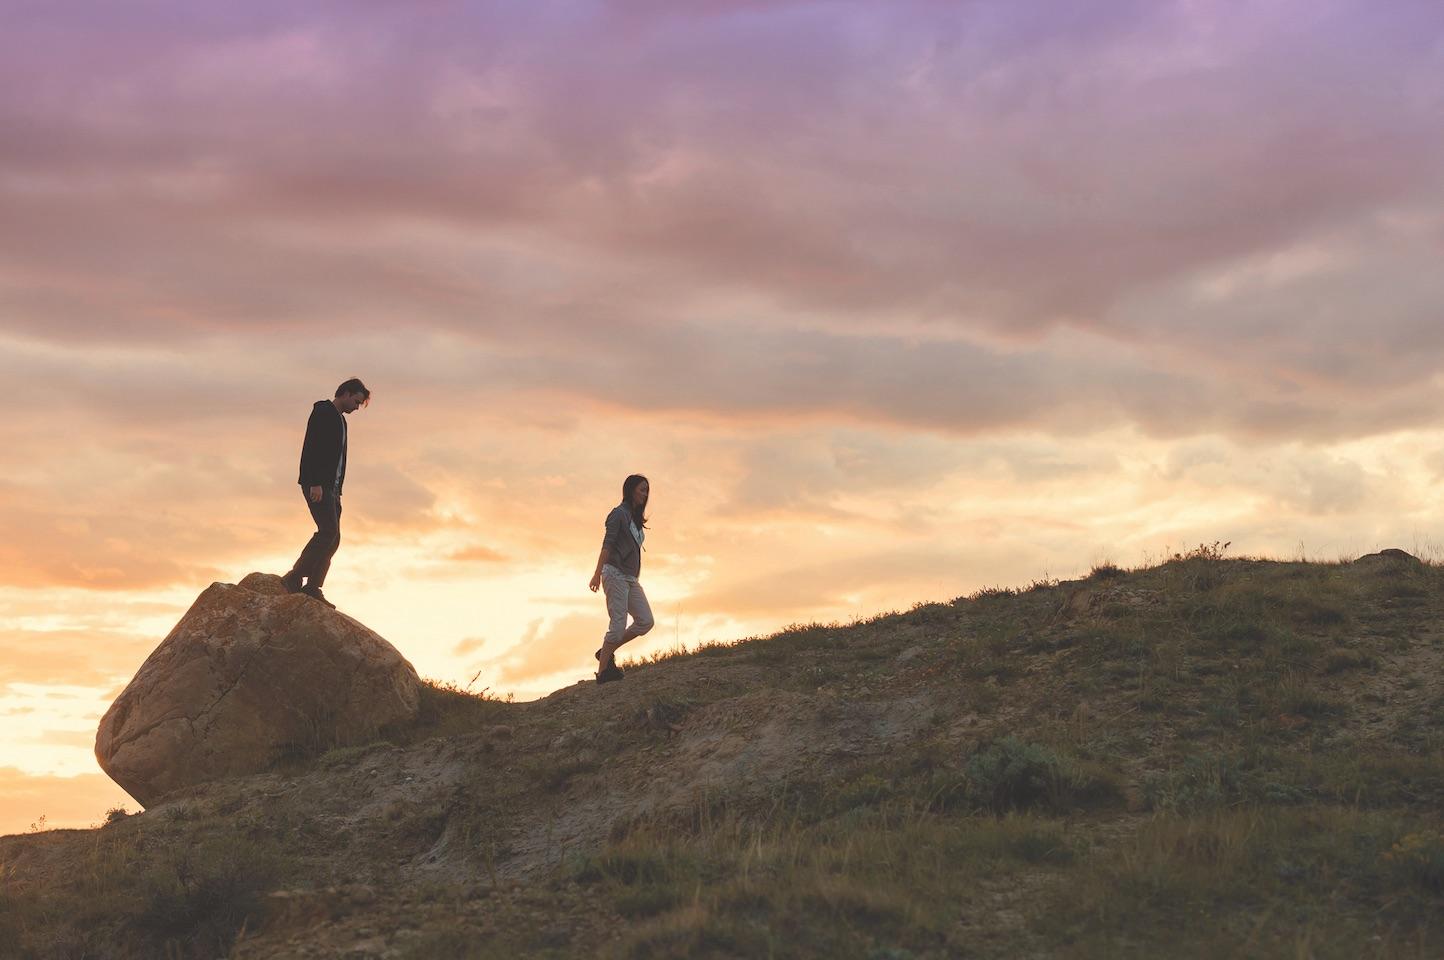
624 596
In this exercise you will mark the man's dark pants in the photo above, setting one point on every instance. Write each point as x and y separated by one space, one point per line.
315 558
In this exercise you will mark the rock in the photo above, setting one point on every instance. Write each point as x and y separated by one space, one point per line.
555 935
250 673
563 741
1079 602
1392 560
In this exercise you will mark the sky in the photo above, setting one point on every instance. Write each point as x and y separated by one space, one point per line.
890 302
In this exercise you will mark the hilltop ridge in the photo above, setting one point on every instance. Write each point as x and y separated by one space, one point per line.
1204 758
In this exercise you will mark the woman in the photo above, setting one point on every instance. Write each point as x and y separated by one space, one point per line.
618 566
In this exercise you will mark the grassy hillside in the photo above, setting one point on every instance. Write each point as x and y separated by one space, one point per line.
1207 758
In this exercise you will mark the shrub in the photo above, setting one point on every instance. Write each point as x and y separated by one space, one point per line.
448 710
866 791
1294 696
1341 659
991 593
1012 775
199 897
797 638
1372 774
456 943
1214 781
1107 570
1204 551
664 713
1200 569
1418 858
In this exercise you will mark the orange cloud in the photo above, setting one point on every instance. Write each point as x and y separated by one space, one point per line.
88 657
548 648
476 554
64 802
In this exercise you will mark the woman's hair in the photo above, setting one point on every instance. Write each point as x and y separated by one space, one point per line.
628 486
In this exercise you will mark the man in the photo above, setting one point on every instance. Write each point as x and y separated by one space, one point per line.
323 472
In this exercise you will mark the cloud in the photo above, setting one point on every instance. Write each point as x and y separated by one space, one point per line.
1299 481
1065 384
566 643
64 802
391 496
881 475
476 554
101 540
467 646
90 657
914 169
860 579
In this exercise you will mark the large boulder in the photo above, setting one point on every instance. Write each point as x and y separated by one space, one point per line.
249 674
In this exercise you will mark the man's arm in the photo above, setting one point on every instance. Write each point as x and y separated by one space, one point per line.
320 454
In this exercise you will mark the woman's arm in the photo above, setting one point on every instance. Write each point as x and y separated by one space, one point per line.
610 538
602 558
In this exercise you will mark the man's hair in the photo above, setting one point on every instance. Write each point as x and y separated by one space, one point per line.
354 385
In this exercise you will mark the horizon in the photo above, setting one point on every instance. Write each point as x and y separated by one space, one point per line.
922 301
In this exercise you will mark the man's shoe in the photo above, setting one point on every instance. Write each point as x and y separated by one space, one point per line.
291 581
315 594
609 673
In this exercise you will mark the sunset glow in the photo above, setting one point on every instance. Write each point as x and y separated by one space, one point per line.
890 301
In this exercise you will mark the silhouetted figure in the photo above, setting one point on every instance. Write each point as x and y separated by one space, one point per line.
618 567
323 473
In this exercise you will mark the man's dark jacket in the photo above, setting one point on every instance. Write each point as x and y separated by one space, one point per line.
323 454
